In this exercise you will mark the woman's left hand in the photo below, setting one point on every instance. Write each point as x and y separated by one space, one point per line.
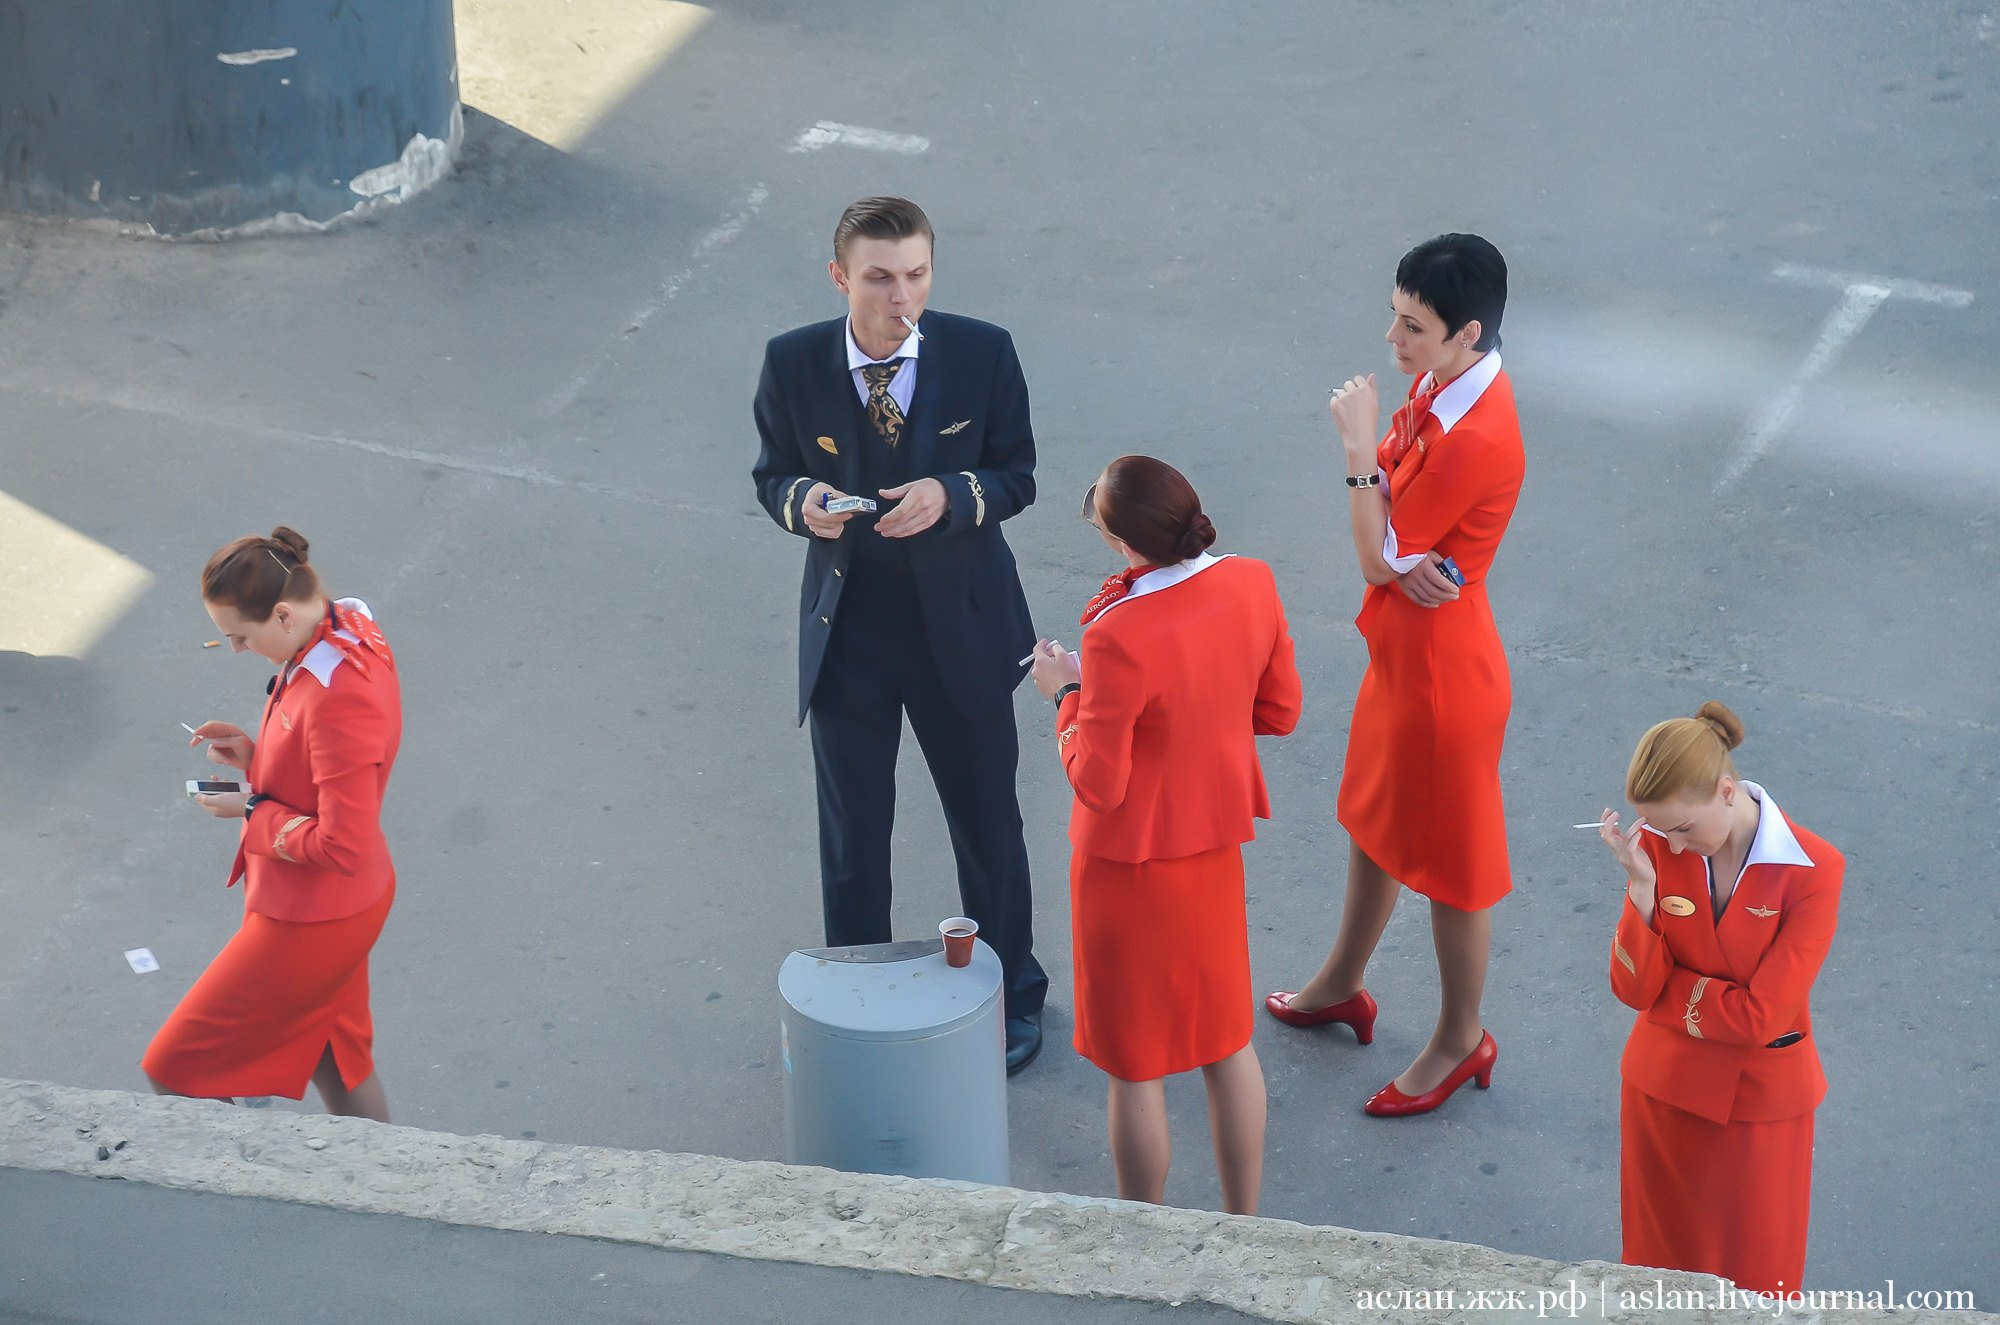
229 805
1055 667
1357 412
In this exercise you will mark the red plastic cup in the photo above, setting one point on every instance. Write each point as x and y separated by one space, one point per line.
958 935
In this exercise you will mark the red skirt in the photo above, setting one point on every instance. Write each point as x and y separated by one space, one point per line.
1161 951
1731 1199
274 1000
1420 788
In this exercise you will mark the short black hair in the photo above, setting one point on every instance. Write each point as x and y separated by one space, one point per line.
1462 278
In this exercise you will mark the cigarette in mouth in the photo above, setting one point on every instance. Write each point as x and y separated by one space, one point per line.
911 325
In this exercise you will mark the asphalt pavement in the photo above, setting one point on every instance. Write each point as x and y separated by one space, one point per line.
514 416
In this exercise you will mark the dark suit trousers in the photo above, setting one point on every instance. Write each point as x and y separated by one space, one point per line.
878 667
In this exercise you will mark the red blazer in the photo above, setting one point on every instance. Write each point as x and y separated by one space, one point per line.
1712 995
314 850
1177 683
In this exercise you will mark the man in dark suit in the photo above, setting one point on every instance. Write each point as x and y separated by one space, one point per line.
916 607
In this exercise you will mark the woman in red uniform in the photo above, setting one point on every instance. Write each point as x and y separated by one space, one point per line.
1730 908
286 1001
1420 793
1186 659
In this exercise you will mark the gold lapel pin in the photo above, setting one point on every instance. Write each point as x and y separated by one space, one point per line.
1677 906
1762 913
826 445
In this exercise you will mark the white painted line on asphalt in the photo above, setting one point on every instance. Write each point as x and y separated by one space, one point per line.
669 290
435 459
1860 296
1842 280
257 57
827 133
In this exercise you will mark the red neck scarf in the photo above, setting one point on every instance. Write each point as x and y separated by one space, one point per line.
1114 588
368 639
1406 422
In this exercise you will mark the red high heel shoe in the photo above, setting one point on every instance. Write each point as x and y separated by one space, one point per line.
1389 1102
1358 1011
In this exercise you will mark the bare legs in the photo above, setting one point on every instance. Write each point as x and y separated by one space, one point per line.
367 1100
1236 1105
1371 899
1464 941
1142 1151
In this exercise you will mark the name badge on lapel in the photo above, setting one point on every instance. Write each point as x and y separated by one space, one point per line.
1677 906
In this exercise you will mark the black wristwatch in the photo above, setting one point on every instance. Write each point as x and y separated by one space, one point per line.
256 798
1066 692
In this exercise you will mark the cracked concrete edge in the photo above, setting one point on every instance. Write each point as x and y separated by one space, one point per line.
1044 1242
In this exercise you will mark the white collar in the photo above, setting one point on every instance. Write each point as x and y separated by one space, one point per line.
856 359
1165 577
1775 843
322 658
1454 401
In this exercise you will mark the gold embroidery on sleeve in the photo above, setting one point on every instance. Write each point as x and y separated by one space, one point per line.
278 842
790 493
1068 732
1624 957
1691 1014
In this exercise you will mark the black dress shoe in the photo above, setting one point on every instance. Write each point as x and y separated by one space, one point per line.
1024 1041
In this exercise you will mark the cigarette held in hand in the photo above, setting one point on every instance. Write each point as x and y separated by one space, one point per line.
1648 827
189 730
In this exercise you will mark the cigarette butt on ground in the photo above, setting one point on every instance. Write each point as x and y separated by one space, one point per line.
213 644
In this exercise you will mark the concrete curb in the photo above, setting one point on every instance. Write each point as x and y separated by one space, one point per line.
1072 1245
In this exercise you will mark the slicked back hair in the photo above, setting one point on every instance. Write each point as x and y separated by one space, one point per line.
880 218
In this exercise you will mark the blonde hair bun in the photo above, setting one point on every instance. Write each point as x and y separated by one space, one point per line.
1727 725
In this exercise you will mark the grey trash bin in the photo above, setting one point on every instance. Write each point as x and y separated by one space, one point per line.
895 1062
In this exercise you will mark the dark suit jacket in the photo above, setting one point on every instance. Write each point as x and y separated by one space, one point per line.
968 428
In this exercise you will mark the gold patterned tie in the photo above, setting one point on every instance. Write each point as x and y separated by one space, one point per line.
883 411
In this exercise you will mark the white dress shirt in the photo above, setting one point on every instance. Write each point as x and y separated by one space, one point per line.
903 386
1451 405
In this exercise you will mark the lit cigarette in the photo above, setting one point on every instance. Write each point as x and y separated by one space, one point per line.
1648 827
911 325
212 644
189 730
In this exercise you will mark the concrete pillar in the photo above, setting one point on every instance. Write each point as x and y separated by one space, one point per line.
215 115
